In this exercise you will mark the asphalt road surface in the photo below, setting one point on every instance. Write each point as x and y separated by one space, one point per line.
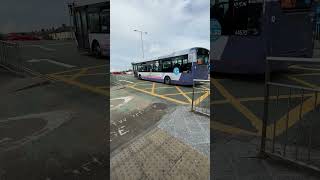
55 130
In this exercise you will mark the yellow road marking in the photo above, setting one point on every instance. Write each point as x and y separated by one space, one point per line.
81 72
160 88
184 94
201 98
158 95
173 94
143 84
230 129
306 74
102 87
262 98
153 86
301 81
307 106
303 68
255 121
91 67
81 85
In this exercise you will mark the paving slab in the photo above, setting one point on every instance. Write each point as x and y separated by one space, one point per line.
158 155
191 128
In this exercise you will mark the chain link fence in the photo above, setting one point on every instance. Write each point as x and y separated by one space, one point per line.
201 96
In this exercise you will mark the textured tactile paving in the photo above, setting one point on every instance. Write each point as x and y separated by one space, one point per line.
157 155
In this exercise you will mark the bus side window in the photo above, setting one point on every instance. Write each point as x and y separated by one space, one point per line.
186 66
166 66
156 66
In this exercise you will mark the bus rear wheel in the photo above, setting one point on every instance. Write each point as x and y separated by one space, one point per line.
167 80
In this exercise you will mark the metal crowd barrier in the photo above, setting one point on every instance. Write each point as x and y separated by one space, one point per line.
201 96
10 56
293 139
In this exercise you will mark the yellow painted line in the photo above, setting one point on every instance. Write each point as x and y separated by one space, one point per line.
306 74
102 87
174 94
208 89
255 121
201 98
143 84
220 102
301 81
307 106
153 86
262 98
158 95
169 87
82 86
81 72
304 68
230 129
184 94
90 67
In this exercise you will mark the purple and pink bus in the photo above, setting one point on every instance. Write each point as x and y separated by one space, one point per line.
177 68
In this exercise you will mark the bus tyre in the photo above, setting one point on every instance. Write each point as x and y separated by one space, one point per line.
96 50
167 80
139 77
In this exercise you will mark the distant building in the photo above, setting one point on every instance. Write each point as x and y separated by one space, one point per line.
62 33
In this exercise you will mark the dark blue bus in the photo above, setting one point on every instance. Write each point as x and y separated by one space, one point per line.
245 32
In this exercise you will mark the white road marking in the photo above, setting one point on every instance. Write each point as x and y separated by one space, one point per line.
126 100
54 119
51 61
122 131
127 81
5 139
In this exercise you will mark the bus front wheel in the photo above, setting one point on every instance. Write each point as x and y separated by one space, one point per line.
139 77
167 80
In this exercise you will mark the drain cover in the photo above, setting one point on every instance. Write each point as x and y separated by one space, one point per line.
159 106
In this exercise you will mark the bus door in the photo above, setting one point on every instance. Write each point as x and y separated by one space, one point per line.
85 33
78 32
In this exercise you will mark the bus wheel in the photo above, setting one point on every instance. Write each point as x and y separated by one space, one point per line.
167 80
96 49
139 77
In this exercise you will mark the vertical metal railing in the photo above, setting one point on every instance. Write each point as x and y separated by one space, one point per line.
201 97
10 56
292 139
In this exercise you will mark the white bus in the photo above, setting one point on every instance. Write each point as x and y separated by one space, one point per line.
91 21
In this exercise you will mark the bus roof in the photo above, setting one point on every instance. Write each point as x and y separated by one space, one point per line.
79 3
177 53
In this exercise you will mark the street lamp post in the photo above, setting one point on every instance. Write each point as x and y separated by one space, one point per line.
141 32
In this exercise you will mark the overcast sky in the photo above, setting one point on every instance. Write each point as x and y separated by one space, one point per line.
28 15
171 25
